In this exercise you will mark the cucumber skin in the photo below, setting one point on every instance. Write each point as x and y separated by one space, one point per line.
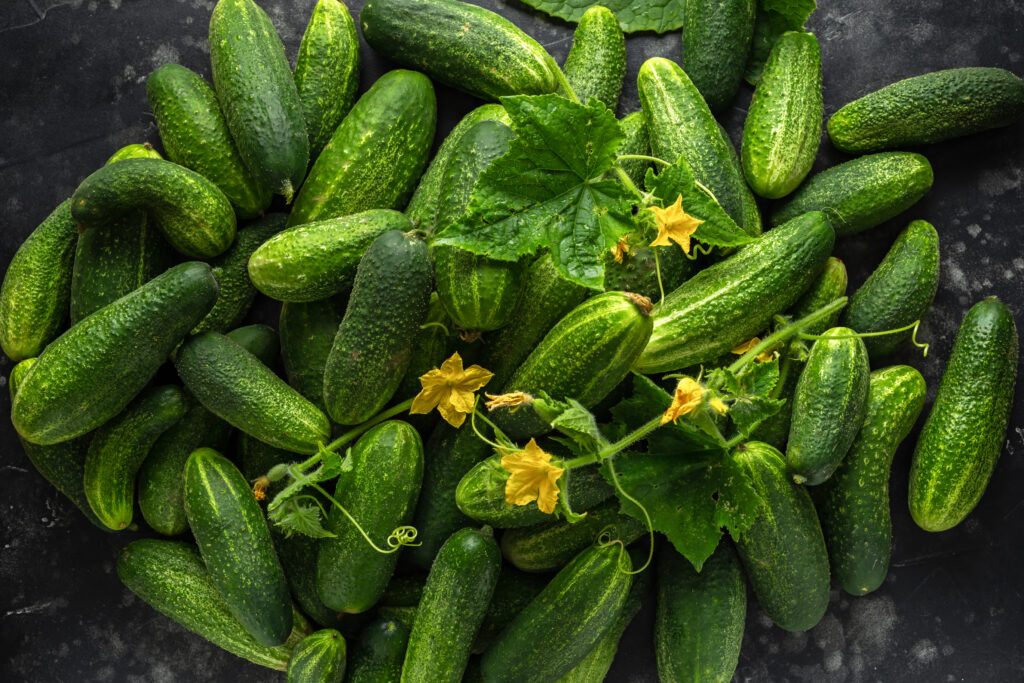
899 292
638 272
700 619
928 108
318 658
429 350
575 610
854 504
455 598
376 154
171 577
327 71
752 222
783 127
118 449
430 35
235 543
134 152
379 487
92 371
637 141
258 96
831 285
861 193
378 653
195 135
963 436
596 65
373 346
784 552
716 42
36 287
307 331
734 299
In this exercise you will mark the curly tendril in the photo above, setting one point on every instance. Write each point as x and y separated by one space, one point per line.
647 519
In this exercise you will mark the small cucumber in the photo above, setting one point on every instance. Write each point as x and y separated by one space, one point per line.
716 43
638 270
637 141
307 332
752 223
961 441
134 151
596 65
318 658
378 653
258 339
515 590
831 285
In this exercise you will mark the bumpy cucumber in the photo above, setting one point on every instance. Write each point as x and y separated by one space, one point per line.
378 653
429 350
637 141
831 285
596 65
307 332
752 223
134 151
638 270
258 339
854 503
319 658
515 590
716 42
963 436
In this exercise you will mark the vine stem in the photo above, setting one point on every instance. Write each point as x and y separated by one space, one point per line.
616 447
403 535
356 431
564 82
641 157
627 181
647 517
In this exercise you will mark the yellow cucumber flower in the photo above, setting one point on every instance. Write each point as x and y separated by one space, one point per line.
532 478
687 398
450 389
718 405
620 250
514 400
762 357
674 224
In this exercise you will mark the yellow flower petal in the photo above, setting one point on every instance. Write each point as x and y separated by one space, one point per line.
514 400
765 356
532 478
450 415
450 389
674 224
741 349
474 378
718 405
687 398
620 250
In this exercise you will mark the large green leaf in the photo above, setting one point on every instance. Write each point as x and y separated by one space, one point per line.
774 17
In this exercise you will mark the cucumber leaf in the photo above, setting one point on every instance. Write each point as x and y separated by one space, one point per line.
774 17
633 15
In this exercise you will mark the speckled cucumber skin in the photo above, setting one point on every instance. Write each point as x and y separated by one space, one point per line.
379 487
429 350
716 42
377 153
636 141
378 653
195 135
861 193
784 552
193 214
928 108
92 371
596 65
36 286
319 658
964 434
899 292
307 332
854 504
258 96
752 223
327 71
734 299
134 151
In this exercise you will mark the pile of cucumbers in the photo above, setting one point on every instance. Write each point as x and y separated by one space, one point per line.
139 393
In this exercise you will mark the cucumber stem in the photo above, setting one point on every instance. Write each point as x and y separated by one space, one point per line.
641 157
365 426
563 82
786 332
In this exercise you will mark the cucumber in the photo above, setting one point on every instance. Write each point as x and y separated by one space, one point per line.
234 385
829 405
377 153
854 504
963 436
783 127
574 611
191 212
734 299
899 292
784 552
195 135
378 653
461 45
378 486
235 543
319 658
638 271
258 339
515 590
118 448
752 223
327 71
455 597
36 286
863 192
307 332
429 350
596 65
698 630
716 43
171 577
257 93
636 141
831 285
928 108
95 369
372 349
134 151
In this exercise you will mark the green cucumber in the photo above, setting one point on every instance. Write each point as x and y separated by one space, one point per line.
235 543
716 42
574 612
829 405
327 71
928 108
171 577
961 441
863 192
515 590
192 213
638 270
377 153
319 658
258 339
195 135
404 591
118 449
257 93
831 285
701 615
636 141
429 350
455 598
784 552
373 346
378 654
899 292
783 127
95 369
36 287
378 487
461 45
752 223
596 65
134 151
734 299
854 504
307 332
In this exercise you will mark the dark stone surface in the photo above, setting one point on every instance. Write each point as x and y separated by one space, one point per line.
73 91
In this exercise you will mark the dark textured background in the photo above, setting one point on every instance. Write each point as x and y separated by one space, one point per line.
72 91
